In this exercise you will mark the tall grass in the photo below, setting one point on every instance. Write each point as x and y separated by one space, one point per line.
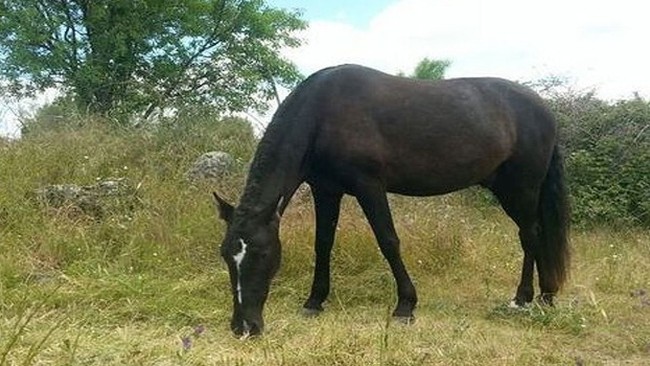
144 285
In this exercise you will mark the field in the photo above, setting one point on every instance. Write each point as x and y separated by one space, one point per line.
143 284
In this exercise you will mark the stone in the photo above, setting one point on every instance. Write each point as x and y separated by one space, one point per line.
93 200
211 166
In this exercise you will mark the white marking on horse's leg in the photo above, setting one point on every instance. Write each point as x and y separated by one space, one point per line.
514 305
247 331
239 258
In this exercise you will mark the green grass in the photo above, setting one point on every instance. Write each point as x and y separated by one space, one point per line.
132 287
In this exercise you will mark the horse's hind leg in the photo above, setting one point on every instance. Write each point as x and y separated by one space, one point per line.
528 236
372 199
327 206
521 205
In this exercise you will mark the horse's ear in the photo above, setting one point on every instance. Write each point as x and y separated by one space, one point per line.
225 209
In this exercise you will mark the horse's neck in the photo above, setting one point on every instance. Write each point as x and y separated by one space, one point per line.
269 189
275 173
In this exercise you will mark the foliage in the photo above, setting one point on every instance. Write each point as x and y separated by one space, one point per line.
59 116
429 69
607 148
146 56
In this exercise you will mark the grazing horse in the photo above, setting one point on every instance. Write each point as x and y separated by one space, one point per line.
354 130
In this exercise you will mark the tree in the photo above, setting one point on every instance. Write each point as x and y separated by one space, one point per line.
430 69
143 56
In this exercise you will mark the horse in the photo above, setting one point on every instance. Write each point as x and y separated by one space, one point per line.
353 130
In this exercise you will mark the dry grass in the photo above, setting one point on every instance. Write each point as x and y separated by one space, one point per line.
148 289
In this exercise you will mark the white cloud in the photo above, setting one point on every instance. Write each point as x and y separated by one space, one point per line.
596 43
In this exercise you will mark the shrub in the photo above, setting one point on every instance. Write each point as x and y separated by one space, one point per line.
608 156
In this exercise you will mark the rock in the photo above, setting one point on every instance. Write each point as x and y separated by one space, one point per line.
211 166
93 200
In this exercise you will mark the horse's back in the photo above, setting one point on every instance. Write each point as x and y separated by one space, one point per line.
419 137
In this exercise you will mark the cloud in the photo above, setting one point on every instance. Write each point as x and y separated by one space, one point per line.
597 44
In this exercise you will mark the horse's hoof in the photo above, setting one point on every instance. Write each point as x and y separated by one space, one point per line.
545 299
311 313
406 320
516 305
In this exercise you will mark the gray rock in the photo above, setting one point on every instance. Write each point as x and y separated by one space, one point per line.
93 200
211 166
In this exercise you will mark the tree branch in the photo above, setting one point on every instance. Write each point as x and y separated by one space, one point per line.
71 28
210 42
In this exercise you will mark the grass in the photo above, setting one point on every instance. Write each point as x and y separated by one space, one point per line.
144 285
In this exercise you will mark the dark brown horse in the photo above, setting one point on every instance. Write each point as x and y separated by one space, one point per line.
354 130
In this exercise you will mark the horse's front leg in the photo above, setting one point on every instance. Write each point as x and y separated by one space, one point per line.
374 203
327 206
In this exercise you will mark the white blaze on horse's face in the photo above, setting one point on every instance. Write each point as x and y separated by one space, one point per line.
239 258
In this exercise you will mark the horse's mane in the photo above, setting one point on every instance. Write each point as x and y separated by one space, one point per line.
268 150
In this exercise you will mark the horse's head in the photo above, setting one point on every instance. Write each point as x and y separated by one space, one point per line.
251 249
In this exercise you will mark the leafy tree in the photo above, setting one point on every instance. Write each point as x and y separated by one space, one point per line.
429 69
123 57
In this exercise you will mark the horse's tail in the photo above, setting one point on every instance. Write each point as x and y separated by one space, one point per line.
554 214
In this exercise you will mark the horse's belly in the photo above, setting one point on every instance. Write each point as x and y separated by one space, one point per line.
418 187
438 178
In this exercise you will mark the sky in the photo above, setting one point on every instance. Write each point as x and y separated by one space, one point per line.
354 12
599 44
595 44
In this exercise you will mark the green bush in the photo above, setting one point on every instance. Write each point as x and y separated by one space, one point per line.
607 151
